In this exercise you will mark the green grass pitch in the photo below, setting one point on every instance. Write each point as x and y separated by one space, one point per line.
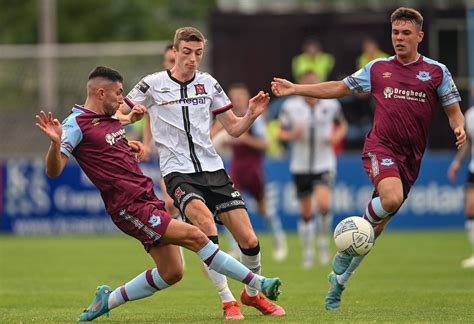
408 277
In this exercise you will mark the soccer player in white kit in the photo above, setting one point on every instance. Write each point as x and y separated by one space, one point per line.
313 126
181 103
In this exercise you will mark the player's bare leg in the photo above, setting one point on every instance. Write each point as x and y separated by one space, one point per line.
469 210
378 213
324 221
306 230
280 247
200 215
238 223
153 280
171 209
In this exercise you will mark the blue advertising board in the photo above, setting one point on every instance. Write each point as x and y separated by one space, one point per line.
34 204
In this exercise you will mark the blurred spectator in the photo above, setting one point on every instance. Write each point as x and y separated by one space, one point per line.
370 52
359 109
313 59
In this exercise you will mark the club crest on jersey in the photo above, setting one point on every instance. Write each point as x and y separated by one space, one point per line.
423 76
154 220
387 74
200 89
178 193
388 92
387 162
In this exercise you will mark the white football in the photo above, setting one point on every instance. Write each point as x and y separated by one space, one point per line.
354 236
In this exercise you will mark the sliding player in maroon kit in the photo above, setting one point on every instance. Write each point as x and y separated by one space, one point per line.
96 138
407 88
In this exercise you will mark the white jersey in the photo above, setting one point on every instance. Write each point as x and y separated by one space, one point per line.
469 117
312 153
180 118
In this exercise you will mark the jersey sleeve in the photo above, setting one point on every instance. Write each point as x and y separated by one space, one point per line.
360 81
141 93
72 135
220 101
447 91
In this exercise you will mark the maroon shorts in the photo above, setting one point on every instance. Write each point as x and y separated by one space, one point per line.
383 165
144 219
249 180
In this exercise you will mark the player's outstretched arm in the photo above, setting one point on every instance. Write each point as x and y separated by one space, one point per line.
456 121
236 126
55 160
324 90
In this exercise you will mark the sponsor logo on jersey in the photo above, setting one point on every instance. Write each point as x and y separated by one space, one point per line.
185 101
423 76
142 86
218 87
453 87
396 93
387 162
154 220
387 74
178 193
113 138
200 89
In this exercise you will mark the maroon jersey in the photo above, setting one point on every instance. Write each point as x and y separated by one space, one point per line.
246 168
99 145
406 97
246 157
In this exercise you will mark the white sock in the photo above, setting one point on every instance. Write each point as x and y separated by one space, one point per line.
253 263
470 232
220 282
307 233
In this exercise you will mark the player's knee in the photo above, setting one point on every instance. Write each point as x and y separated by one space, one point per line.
196 238
324 209
172 275
391 202
248 241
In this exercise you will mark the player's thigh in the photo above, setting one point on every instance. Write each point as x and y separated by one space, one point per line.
185 235
238 223
470 201
199 215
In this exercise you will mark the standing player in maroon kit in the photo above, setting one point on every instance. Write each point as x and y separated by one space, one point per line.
96 138
246 167
407 88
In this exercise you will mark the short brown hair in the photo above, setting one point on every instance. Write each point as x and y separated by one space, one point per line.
187 34
408 14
